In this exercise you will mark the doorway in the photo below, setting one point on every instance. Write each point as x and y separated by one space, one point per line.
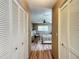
41 41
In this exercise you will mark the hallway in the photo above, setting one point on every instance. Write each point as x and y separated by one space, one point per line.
39 29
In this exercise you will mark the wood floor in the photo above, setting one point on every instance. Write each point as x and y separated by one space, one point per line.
41 55
41 51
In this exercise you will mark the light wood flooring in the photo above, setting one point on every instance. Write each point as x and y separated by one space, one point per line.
41 51
41 55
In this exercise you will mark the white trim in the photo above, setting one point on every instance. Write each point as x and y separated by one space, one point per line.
27 33
59 34
18 5
24 23
69 29
64 5
18 18
10 25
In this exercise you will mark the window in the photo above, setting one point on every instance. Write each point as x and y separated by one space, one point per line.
42 28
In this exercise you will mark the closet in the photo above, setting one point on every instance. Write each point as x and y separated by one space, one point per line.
13 30
69 30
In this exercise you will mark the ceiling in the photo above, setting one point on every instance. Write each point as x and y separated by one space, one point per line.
41 10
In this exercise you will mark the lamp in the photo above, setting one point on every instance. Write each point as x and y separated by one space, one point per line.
44 21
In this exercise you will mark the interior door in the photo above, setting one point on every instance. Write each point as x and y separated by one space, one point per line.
74 29
63 33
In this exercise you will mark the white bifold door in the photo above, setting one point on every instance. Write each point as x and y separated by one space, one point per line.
13 30
69 30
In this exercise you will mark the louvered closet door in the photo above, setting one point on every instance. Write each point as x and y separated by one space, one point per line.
64 33
74 29
4 29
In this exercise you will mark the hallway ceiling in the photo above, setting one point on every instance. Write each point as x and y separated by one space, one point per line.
41 9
